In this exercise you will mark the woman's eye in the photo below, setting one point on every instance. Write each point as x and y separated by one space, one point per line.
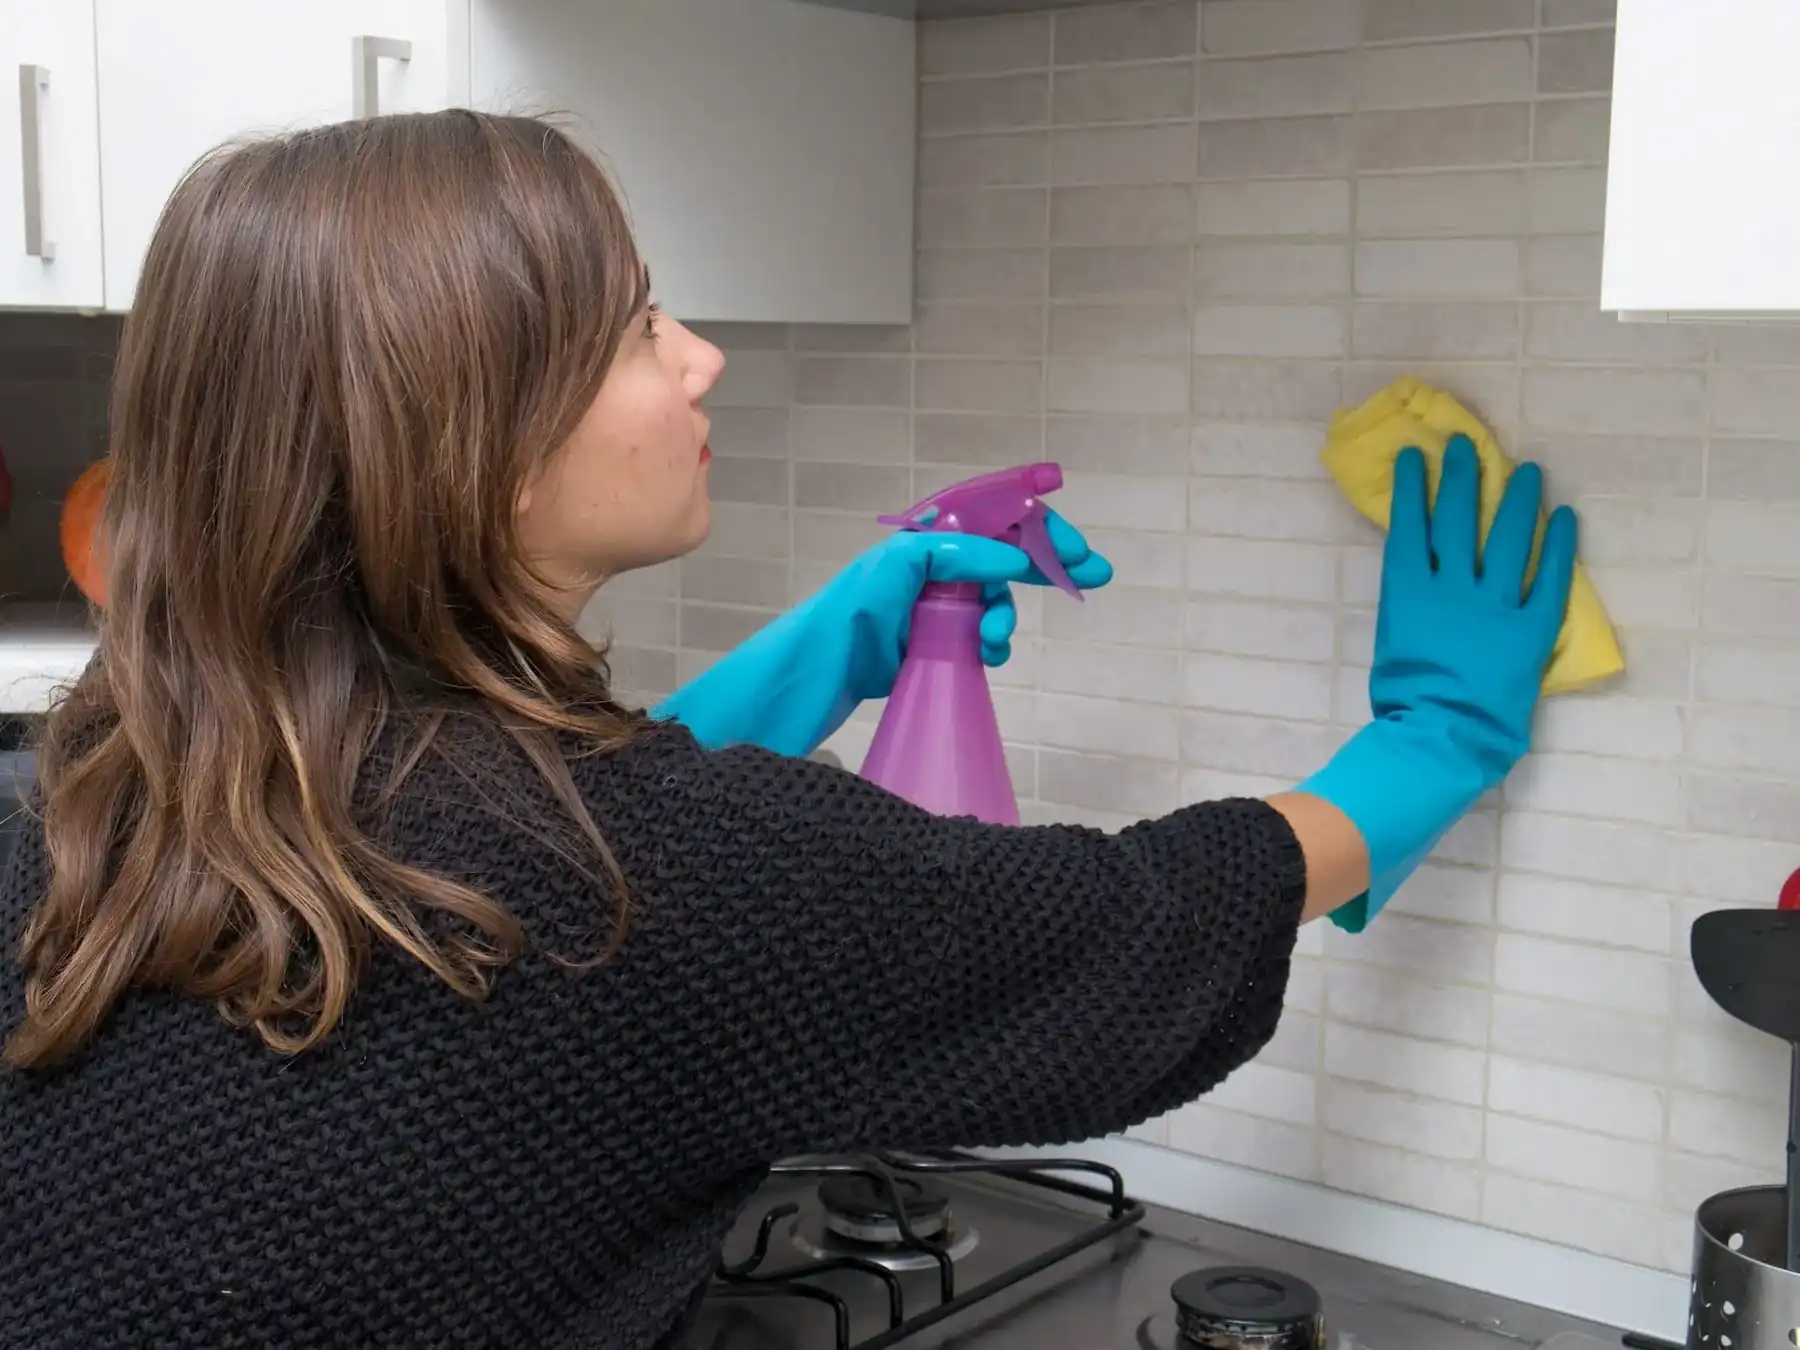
650 316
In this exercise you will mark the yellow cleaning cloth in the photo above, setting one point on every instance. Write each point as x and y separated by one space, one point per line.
1360 451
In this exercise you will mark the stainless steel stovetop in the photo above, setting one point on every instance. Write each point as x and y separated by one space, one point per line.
1112 1292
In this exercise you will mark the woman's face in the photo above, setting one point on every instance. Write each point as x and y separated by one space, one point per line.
628 489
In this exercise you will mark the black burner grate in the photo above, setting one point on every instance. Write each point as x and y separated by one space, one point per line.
889 1176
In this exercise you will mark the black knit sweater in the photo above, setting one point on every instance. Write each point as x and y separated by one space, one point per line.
818 967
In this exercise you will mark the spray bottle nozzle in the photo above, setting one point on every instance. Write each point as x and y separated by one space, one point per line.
1006 506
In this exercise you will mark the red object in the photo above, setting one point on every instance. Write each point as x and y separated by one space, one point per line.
1790 893
83 552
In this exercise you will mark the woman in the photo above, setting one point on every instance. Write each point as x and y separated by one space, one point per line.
380 979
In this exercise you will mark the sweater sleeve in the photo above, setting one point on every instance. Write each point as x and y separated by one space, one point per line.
883 977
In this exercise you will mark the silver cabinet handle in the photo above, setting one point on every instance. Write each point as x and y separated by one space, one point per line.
34 83
365 51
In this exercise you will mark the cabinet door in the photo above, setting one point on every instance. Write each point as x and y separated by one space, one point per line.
1703 207
764 147
178 77
49 157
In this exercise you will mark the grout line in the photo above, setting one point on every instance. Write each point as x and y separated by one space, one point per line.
1044 334
1190 421
1327 963
1503 796
793 470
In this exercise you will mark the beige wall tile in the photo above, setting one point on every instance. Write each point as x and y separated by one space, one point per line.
851 487
1120 330
1494 133
1084 384
1387 20
1568 201
984 105
1277 86
1575 63
1571 13
976 217
1271 330
1275 147
1296 207
1152 273
1126 32
1249 450
1582 332
979 329
1271 271
1115 443
1432 268
985 161
978 439
1575 129
1258 27
852 435
1441 330
979 274
1151 154
976 46
1753 470
1266 391
1150 214
868 381
1761 402
1446 74
1141 93
1415 205
963 385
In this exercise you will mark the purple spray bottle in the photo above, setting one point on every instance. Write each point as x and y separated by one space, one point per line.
938 744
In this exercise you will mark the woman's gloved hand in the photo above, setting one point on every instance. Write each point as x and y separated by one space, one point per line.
790 685
1461 646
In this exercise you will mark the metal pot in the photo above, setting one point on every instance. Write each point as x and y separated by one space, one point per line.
1743 1297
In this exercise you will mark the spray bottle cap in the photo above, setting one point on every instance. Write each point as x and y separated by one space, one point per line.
1006 506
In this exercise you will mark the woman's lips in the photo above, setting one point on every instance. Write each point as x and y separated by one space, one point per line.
706 454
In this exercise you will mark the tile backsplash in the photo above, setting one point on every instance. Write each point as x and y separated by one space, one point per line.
54 370
1162 243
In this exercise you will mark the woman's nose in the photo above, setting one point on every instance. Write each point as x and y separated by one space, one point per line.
704 366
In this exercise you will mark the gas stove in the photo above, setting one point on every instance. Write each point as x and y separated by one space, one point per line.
946 1250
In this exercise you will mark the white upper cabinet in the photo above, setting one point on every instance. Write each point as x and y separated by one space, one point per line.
49 157
178 77
764 147
1703 199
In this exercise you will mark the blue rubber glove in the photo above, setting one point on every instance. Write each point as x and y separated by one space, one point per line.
1460 654
790 685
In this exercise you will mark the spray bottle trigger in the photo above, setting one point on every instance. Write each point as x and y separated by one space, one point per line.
1034 539
919 518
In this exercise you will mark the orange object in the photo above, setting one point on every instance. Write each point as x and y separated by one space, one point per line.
84 553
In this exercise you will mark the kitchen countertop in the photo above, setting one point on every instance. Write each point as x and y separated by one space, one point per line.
42 648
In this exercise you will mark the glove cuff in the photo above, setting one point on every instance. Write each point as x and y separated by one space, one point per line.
1403 784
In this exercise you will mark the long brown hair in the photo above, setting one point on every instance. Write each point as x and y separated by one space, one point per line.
350 347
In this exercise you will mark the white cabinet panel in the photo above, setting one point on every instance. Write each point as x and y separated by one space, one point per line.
178 77
765 147
1703 200
50 253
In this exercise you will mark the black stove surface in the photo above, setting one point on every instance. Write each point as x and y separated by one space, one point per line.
1033 1256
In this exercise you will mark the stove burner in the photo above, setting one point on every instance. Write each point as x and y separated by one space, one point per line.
858 1220
914 1305
861 1208
1246 1308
